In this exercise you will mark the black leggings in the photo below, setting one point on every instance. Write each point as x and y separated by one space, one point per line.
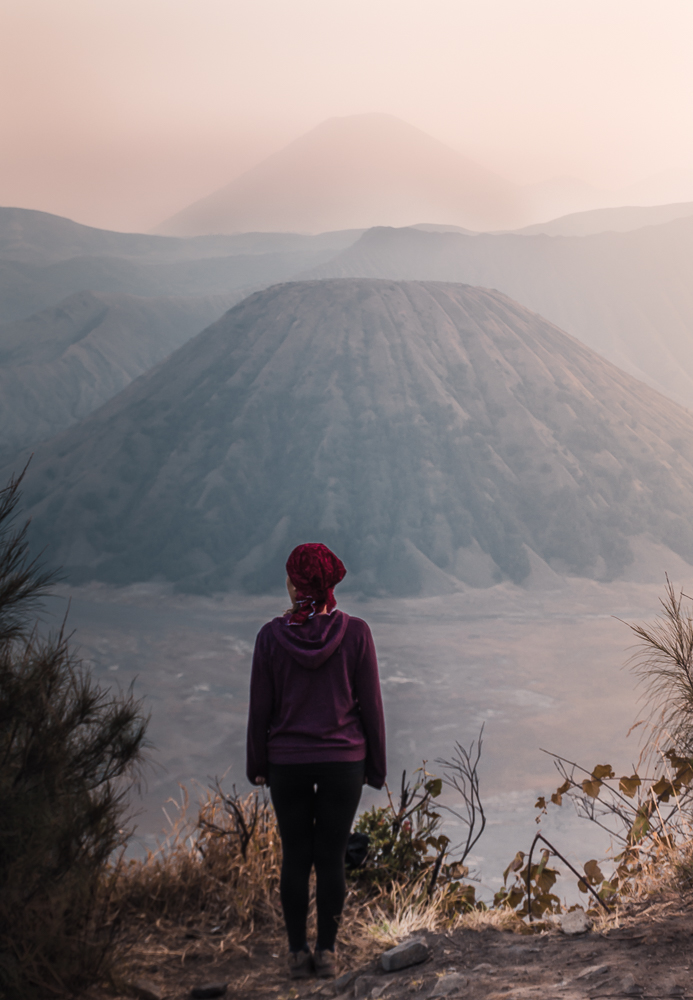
315 805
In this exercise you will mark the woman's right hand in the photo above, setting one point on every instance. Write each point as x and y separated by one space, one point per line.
260 780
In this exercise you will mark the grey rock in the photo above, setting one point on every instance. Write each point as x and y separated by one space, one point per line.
378 991
143 989
407 953
630 987
209 991
364 984
341 983
449 985
592 972
675 990
485 968
575 922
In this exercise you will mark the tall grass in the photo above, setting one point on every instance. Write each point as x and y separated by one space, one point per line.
221 867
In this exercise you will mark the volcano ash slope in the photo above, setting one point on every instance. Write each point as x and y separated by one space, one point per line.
429 432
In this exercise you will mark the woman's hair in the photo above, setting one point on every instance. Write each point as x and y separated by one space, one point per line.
314 571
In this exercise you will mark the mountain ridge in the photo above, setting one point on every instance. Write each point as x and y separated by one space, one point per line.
431 432
625 295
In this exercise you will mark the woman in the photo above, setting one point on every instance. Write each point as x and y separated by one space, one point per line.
316 734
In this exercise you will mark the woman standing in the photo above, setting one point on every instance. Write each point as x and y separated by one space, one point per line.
316 734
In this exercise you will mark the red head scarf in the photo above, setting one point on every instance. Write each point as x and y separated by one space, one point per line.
314 571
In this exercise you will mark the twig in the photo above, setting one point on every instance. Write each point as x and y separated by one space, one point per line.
581 878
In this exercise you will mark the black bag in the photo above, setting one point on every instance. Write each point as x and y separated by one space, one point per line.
357 850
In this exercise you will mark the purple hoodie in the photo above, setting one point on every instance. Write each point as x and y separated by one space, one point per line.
315 696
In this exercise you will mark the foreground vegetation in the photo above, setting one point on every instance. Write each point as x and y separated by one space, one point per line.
69 752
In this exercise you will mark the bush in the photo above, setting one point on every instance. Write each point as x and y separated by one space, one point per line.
69 752
408 850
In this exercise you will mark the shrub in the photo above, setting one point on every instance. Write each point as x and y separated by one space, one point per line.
663 663
69 752
409 851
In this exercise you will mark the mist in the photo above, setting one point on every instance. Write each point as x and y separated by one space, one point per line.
118 115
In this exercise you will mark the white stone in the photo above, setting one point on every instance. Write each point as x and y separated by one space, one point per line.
575 922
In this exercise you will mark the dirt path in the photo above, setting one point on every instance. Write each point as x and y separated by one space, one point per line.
650 954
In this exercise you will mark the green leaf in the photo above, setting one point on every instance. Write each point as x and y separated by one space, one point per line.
514 865
640 828
434 787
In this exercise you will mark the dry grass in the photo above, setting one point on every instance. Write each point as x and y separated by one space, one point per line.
218 874
222 869
399 913
669 870
213 884
407 909
502 919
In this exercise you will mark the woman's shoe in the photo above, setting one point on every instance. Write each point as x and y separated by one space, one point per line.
300 964
324 964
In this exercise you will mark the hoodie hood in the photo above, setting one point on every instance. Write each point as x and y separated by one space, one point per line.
313 642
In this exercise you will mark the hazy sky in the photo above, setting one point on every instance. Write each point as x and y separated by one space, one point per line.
119 112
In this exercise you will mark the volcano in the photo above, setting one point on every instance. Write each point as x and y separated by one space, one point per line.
352 173
433 434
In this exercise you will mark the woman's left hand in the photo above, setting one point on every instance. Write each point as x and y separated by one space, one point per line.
260 780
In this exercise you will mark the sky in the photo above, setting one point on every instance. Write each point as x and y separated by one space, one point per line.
118 113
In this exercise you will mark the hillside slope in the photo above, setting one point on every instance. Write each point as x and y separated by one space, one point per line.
628 296
432 433
609 220
41 238
60 364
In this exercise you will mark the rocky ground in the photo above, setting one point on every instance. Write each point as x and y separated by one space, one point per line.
648 953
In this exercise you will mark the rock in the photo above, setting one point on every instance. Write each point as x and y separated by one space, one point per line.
630 987
592 972
143 989
408 953
364 984
209 991
575 922
675 990
341 983
448 985
485 968
378 991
